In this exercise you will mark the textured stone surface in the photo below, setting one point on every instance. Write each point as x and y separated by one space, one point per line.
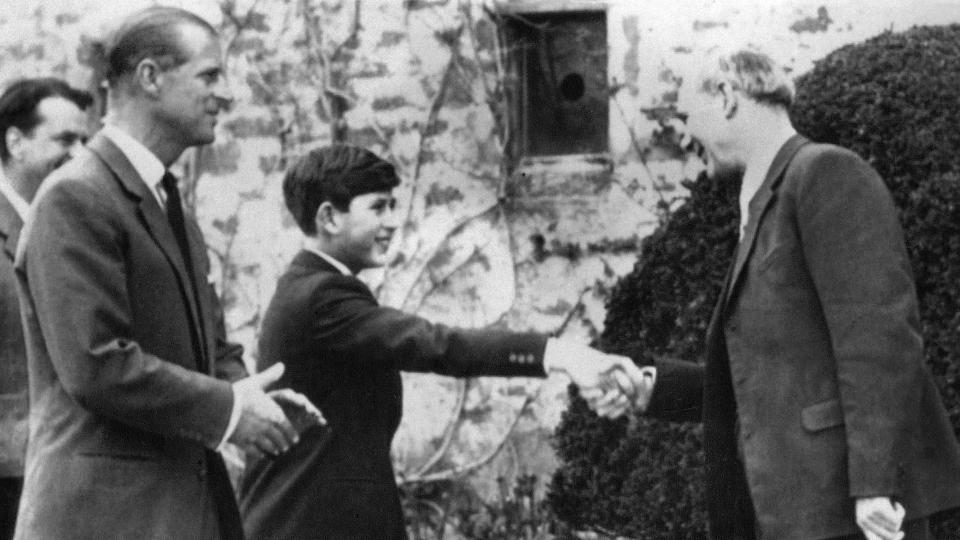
538 250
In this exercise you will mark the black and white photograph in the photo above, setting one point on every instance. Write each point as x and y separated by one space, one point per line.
480 270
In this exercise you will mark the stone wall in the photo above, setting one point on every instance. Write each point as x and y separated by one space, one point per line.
421 82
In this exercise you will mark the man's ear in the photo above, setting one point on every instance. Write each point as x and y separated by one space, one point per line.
146 77
730 100
328 218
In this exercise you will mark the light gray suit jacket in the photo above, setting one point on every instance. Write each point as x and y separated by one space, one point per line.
126 365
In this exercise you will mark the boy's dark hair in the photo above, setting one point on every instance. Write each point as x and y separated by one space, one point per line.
335 173
19 101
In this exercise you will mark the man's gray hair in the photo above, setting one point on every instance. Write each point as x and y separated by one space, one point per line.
153 32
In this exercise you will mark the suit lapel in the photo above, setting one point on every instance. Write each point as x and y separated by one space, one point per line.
197 253
713 328
10 225
154 220
758 208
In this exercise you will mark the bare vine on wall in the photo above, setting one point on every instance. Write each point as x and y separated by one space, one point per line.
325 69
330 61
495 86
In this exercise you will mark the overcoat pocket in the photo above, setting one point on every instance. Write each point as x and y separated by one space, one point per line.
823 415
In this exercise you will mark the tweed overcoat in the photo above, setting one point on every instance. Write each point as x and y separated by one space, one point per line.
814 391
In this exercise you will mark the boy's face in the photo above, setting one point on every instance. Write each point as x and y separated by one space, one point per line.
366 230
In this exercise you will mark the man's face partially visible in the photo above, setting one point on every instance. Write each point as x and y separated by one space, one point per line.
193 93
51 143
707 122
366 230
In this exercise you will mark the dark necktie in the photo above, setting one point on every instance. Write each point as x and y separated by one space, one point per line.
177 221
178 224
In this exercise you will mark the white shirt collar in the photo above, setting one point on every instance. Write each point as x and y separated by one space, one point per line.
147 165
752 181
20 205
335 263
751 184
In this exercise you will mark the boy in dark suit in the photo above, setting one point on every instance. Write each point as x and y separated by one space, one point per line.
345 352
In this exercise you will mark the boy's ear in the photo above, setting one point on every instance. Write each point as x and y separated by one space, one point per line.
13 138
328 218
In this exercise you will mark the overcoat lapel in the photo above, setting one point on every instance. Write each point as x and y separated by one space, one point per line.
155 221
758 208
10 225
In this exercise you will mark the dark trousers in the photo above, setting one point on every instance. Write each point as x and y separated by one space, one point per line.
10 489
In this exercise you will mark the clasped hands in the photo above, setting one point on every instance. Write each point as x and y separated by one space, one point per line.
611 384
270 421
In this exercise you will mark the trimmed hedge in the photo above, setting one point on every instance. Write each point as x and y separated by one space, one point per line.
895 100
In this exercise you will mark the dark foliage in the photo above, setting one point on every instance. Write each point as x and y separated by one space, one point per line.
894 100
649 478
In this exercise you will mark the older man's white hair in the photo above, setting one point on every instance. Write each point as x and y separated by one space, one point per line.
749 71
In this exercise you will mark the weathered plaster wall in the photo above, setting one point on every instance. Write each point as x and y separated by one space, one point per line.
417 81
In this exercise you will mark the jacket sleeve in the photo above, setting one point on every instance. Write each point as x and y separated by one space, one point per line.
228 358
677 392
75 282
355 328
854 248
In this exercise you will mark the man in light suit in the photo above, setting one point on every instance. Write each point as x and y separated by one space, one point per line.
42 125
819 417
133 388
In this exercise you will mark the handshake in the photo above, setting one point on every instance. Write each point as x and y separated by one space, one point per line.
611 384
270 421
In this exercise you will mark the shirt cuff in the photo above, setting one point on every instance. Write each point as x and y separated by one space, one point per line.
234 419
551 354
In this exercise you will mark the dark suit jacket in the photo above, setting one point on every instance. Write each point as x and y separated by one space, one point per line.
345 352
124 407
814 372
13 356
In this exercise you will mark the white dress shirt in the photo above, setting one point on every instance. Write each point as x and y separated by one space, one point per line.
151 171
20 205
147 165
333 262
756 173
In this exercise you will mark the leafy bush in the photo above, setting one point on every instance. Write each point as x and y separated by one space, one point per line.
894 100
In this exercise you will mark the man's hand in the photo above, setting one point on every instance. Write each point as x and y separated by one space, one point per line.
262 427
301 412
611 384
880 518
